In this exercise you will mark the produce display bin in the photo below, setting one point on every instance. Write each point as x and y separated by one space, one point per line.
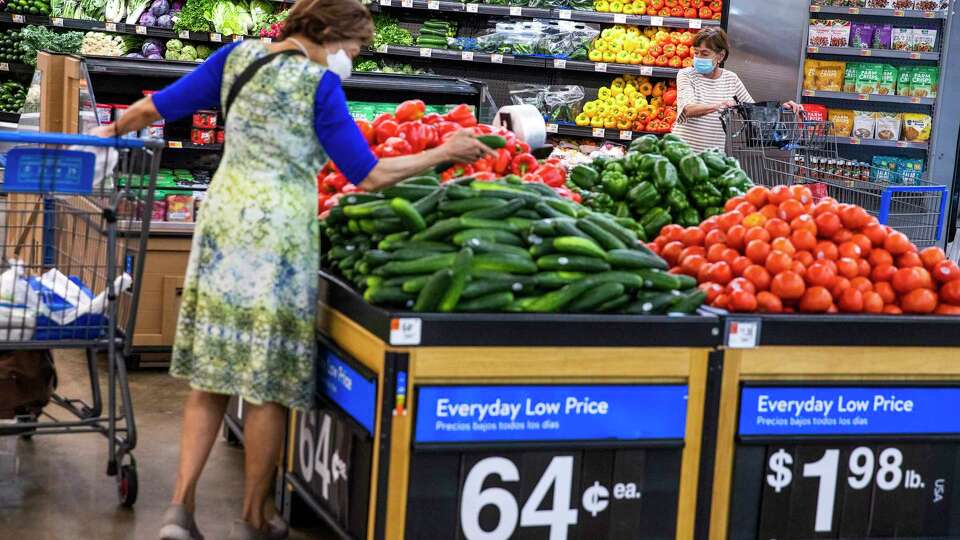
836 426
502 425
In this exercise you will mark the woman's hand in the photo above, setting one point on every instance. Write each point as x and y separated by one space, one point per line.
793 106
726 104
107 131
463 147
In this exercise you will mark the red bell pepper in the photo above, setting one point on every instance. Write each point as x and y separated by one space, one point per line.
457 171
334 182
381 118
501 165
521 147
483 165
430 133
392 147
530 178
523 163
462 115
484 176
410 110
431 119
366 129
385 130
444 127
551 176
567 194
414 133
482 129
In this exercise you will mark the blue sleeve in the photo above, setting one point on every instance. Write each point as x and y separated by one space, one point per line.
338 133
199 89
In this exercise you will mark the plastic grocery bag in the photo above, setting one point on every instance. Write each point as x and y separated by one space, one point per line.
18 304
67 300
104 165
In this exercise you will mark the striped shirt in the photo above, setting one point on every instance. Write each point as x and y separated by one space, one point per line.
693 88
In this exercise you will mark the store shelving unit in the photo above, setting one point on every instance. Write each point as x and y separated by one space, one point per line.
873 53
877 98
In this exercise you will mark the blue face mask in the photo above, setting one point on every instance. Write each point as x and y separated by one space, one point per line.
704 66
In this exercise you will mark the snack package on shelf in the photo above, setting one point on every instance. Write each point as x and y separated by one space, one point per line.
888 126
840 33
883 36
925 81
868 78
850 77
864 124
861 35
888 80
830 76
904 79
841 122
917 127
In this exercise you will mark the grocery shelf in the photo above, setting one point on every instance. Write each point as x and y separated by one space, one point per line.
187 145
856 141
525 61
541 13
824 330
596 133
16 67
869 97
874 53
900 13
526 329
9 117
119 65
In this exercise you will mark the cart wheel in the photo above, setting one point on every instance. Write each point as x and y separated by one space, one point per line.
127 485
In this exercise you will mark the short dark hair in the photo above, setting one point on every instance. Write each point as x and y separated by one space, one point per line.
713 38
323 21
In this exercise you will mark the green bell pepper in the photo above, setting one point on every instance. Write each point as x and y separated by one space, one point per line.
647 144
621 210
615 184
665 176
643 196
714 162
647 161
676 151
677 200
734 178
584 176
693 171
654 220
712 211
732 162
706 195
614 166
599 162
671 138
631 162
689 217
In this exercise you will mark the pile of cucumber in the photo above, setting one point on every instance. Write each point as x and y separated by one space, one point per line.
472 246
434 33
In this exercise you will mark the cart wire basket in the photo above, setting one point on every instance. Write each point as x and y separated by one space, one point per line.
792 149
73 249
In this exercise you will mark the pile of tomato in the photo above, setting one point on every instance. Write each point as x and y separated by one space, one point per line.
778 251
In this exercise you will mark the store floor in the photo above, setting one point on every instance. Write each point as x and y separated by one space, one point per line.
55 487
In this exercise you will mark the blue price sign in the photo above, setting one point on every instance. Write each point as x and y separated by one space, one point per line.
448 414
792 411
43 170
346 387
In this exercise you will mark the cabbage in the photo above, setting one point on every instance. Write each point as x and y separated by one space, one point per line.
260 10
159 7
154 57
188 53
147 19
171 54
135 8
203 52
164 21
174 45
152 47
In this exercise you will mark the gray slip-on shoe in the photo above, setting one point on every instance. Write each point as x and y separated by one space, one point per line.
241 530
277 529
178 524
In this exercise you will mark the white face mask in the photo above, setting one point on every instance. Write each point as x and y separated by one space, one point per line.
340 64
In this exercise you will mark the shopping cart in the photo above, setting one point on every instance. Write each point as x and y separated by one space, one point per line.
790 149
70 228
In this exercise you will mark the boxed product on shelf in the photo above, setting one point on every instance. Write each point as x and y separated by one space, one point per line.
888 126
841 122
917 127
864 124
897 170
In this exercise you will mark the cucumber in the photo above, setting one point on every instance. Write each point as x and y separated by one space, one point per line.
659 280
428 204
461 271
556 300
493 141
527 213
653 303
340 252
504 262
440 230
547 211
359 198
422 266
412 254
496 301
522 224
421 181
478 288
548 227
480 245
386 295
408 192
364 210
462 206
411 219
455 191
395 281
335 216
432 292
376 257
596 296
416 284
384 226
633 259
689 302
502 191
579 246
523 304
630 280
555 280
426 245
500 225
490 235
563 206
614 305
573 263
543 247
569 228
686 282
625 235
541 189
499 211
393 241
376 281
600 235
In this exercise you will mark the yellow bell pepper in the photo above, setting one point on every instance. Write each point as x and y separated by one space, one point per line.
622 99
633 31
640 6
628 9
590 107
616 7
602 6
616 92
607 33
640 101
596 55
596 122
636 58
630 44
583 119
609 57
623 57
618 83
650 32
615 46
610 123
603 93
624 124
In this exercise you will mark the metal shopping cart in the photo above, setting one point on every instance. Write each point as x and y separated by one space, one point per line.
779 146
70 228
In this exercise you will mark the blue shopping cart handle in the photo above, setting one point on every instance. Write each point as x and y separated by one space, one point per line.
70 139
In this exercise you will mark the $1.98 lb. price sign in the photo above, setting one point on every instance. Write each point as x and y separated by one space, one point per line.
477 476
837 485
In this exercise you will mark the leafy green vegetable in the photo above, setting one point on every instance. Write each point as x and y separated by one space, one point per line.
194 16
135 8
38 38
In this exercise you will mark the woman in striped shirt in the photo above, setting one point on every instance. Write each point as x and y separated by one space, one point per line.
705 89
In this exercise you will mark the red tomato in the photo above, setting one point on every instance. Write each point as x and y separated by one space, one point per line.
693 236
839 286
861 283
872 303
790 209
950 292
756 219
841 236
729 255
804 222
931 256
722 301
716 236
779 194
826 204
897 243
906 280
732 203
692 250
909 259
816 300
777 228
919 301
883 272
804 257
739 264
691 265
880 256
757 196
709 224
864 267
720 272
743 301
778 261
863 241
757 275
757 251
850 249
876 233
820 275
946 271
851 301
828 224
756 233
713 290
854 217
729 219
798 267
671 252
768 302
892 310
770 211
735 236
788 286
885 290
746 209
946 309
784 245
802 193
740 284
826 250
673 233
715 252
848 268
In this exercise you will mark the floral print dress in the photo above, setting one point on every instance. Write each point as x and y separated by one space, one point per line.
247 318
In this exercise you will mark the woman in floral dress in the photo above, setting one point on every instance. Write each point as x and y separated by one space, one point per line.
247 319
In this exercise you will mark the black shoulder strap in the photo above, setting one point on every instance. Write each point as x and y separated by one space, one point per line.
248 74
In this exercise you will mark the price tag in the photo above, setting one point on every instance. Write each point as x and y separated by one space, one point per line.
915 56
383 49
626 135
564 14
863 97
174 144
238 38
899 13
866 52
599 132
915 100
266 40
810 93
903 144
405 331
496 58
111 27
600 67
854 11
434 5
854 140
814 9
406 3
467 56
4 66
56 21
19 19
516 11
743 334
646 71
184 34
473 8
696 23
559 63
619 18
553 128
142 30
216 38
386 3
813 50
656 21
426 52
929 14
